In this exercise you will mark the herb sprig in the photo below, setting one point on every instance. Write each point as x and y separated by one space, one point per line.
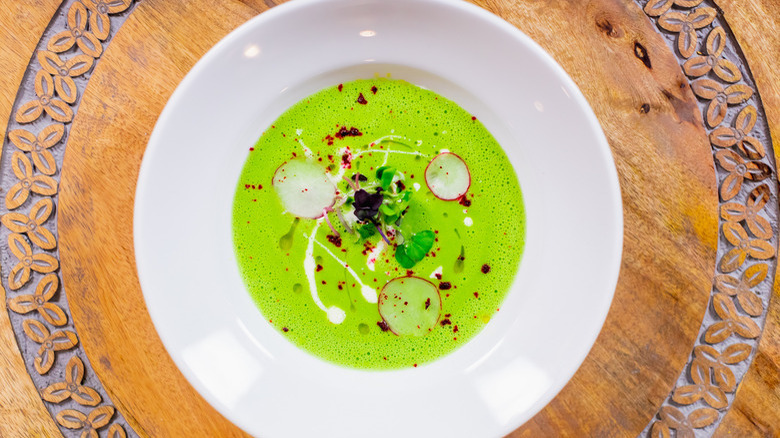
380 206
415 248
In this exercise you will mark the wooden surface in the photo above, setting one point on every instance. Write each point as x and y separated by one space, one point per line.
669 239
756 410
21 411
154 50
679 262
654 128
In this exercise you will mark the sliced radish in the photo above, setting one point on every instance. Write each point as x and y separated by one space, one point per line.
447 176
305 189
410 306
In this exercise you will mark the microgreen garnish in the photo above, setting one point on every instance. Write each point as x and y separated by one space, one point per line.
366 230
415 248
366 204
385 175
379 205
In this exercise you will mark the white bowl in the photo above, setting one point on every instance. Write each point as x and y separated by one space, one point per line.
183 243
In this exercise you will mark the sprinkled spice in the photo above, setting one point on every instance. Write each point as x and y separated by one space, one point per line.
476 294
361 100
464 202
445 321
346 160
351 132
285 329
335 240
374 89
341 87
445 285
427 303
383 325
319 268
485 268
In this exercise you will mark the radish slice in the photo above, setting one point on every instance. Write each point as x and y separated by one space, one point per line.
410 306
304 188
447 176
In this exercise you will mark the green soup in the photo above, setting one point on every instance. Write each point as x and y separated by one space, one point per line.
320 291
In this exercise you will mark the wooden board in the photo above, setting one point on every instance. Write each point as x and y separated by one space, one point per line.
656 133
679 263
151 62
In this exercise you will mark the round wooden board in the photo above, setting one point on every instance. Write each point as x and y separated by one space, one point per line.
661 147
654 258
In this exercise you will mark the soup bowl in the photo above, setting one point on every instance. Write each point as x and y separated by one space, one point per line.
190 278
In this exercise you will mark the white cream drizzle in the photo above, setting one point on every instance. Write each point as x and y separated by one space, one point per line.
374 254
306 151
435 272
416 187
337 177
335 314
387 152
369 293
467 221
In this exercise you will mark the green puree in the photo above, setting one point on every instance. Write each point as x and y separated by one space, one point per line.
271 244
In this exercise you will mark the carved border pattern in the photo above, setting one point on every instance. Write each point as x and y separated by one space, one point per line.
747 186
731 109
33 149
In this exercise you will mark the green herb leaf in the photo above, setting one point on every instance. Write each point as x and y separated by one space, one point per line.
387 210
387 177
420 244
415 248
366 230
403 259
381 170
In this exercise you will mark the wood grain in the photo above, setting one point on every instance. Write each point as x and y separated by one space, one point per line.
655 131
21 409
654 128
150 55
756 410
